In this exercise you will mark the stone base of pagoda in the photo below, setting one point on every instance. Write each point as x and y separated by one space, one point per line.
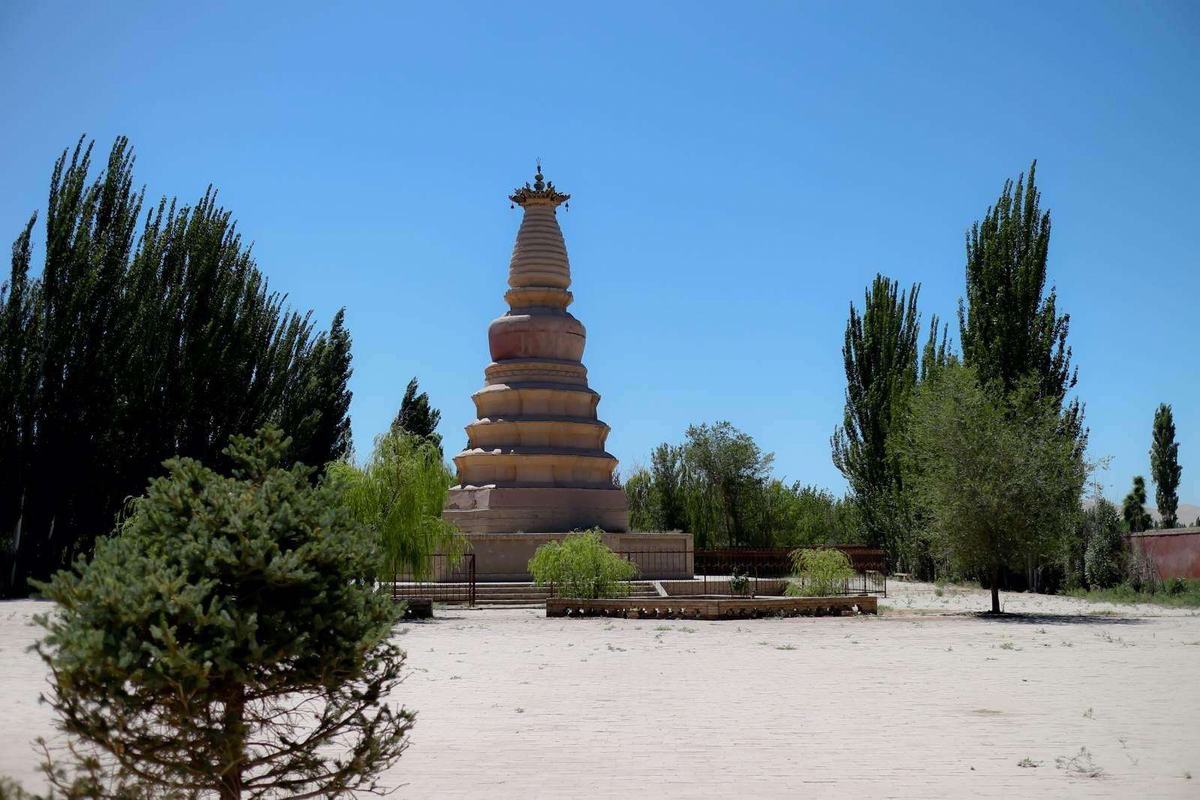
500 509
505 556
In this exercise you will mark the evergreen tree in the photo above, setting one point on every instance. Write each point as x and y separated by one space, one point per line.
135 345
229 641
1133 509
1164 466
880 354
1009 325
417 416
318 414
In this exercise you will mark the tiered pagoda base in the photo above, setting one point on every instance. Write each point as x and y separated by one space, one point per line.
512 509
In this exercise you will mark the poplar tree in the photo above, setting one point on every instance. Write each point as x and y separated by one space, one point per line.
1133 509
417 415
880 354
1164 466
1009 324
135 343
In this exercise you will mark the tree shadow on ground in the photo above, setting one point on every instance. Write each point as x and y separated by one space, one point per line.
1056 619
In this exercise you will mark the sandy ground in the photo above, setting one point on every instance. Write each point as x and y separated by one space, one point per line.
926 700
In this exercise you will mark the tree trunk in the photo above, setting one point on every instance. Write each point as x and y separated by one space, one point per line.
235 737
995 590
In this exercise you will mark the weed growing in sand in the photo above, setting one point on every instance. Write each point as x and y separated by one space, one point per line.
1081 764
1028 763
785 647
1089 714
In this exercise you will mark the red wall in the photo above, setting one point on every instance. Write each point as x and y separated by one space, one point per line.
1175 553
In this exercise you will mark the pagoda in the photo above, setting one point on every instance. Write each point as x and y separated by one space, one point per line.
535 461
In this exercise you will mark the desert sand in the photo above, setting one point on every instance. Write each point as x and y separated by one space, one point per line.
1072 699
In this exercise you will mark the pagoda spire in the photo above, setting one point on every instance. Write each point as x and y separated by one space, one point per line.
542 192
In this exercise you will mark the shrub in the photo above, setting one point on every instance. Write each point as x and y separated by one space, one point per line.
228 640
398 494
1102 558
819 572
581 566
739 582
1140 573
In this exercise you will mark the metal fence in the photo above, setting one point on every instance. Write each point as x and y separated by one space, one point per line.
777 561
450 578
447 578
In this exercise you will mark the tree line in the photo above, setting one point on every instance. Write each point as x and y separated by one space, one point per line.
965 460
143 336
971 462
717 485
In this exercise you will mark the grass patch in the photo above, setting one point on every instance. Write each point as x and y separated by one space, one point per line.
1175 593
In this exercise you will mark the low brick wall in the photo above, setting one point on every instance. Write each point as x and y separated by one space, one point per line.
711 608
1175 553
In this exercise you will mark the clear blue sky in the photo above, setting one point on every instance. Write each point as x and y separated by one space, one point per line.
739 173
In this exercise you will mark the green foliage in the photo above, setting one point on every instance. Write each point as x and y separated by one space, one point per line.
880 354
228 639
799 515
1103 558
417 416
1177 593
732 468
659 497
581 566
134 344
399 494
1000 479
739 582
717 487
1133 509
1164 466
819 572
1012 334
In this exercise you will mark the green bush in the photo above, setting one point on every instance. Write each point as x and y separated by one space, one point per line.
581 566
1103 555
1176 592
398 494
227 640
819 572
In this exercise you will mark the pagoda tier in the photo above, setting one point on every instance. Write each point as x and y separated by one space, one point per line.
535 458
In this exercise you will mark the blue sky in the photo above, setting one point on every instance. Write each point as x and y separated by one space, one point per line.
739 174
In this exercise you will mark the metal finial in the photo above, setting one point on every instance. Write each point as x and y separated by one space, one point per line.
538 178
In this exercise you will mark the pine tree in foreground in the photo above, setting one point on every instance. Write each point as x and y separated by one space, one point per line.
227 641
1164 466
